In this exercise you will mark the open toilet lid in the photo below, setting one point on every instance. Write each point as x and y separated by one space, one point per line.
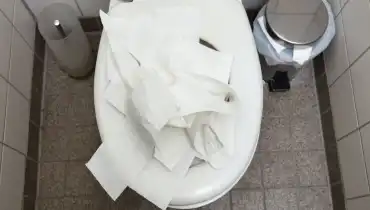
226 27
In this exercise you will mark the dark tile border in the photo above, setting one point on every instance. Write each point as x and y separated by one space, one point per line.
30 184
328 134
89 24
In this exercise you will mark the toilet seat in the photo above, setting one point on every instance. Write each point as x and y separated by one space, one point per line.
227 28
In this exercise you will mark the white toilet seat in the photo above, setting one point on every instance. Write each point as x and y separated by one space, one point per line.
227 28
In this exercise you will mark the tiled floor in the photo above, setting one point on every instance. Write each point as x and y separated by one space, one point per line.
288 172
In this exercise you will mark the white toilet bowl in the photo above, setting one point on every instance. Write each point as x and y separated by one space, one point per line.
227 28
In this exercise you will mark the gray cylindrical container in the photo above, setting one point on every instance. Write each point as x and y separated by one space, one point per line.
61 29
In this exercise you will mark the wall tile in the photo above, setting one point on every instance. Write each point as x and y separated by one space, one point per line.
21 65
5 44
365 134
359 204
336 60
16 122
92 7
7 7
12 179
353 166
37 5
360 79
343 106
335 6
24 22
1 155
356 16
3 90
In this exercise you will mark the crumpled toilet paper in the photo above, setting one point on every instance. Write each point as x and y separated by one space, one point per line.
175 98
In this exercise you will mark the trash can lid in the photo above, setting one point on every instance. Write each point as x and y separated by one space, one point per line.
297 21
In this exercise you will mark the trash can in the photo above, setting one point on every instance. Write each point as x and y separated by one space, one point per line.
63 34
288 34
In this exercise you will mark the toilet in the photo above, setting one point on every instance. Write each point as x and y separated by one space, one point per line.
226 28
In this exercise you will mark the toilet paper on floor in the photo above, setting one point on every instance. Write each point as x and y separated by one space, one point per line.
175 97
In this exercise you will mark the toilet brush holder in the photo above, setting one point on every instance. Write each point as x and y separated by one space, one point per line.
63 34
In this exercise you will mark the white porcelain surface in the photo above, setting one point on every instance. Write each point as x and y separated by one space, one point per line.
16 122
343 106
231 33
353 166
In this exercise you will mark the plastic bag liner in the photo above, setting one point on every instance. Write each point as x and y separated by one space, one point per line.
285 57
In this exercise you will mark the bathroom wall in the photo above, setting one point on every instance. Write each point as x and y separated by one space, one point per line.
347 62
17 37
82 7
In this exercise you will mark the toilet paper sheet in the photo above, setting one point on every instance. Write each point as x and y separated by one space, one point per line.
174 96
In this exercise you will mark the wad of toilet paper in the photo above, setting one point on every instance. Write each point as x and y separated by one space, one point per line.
175 97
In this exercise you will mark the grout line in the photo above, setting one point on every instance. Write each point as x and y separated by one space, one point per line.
6 80
16 89
279 188
349 67
16 29
79 8
21 153
364 155
76 196
29 10
360 196
5 115
64 161
262 182
354 130
287 151
340 11
65 181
